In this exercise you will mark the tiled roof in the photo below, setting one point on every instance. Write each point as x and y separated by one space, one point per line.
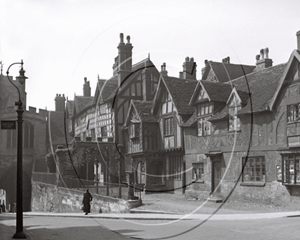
82 103
69 106
221 113
222 70
190 121
110 89
144 110
217 91
181 91
262 84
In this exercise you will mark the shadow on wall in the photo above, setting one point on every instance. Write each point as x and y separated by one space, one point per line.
8 183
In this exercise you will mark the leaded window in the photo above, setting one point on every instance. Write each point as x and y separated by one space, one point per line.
290 166
204 112
254 169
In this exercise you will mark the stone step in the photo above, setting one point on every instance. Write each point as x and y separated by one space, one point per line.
215 199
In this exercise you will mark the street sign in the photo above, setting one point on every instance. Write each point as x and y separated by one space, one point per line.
8 124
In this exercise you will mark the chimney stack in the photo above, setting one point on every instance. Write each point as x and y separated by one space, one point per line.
262 60
163 71
226 60
123 63
86 88
206 66
189 68
60 103
298 40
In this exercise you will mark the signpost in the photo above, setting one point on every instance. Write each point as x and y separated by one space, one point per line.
8 124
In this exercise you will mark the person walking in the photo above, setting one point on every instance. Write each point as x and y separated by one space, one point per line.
87 198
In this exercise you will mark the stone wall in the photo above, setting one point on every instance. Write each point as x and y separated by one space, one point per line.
49 198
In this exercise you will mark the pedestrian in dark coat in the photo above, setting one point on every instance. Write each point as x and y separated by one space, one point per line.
87 198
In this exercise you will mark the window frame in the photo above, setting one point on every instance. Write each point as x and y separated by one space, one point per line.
295 168
204 112
293 113
169 130
167 104
198 168
247 169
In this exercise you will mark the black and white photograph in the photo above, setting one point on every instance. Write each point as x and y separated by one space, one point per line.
147 119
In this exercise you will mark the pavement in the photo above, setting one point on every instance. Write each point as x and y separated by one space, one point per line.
6 232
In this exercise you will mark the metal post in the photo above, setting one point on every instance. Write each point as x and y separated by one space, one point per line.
19 228
19 215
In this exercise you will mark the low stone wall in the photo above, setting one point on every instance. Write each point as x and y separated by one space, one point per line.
49 198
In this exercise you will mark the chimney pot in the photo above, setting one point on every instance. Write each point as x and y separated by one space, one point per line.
191 59
267 52
298 40
257 57
121 37
187 59
262 54
128 39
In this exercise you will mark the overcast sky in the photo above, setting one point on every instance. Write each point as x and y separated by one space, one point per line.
63 41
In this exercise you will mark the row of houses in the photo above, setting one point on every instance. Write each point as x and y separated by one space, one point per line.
231 132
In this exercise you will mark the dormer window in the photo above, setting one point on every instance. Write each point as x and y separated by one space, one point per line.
167 105
233 108
234 121
134 130
204 112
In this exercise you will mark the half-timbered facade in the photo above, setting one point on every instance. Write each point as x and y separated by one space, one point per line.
249 150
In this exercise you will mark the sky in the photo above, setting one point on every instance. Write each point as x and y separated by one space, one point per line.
63 41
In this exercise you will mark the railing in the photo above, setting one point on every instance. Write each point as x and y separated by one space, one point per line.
96 187
49 178
111 189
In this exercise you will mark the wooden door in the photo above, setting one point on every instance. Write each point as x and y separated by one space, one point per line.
216 177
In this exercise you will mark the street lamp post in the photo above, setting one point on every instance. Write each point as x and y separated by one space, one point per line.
19 219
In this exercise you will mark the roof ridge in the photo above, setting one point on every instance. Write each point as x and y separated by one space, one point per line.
255 72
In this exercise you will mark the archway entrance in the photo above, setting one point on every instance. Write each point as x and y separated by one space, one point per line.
8 182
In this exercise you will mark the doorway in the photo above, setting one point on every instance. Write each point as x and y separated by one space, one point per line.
216 177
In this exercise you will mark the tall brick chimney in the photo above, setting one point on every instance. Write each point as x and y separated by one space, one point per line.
86 88
163 71
263 61
189 68
298 40
123 63
60 103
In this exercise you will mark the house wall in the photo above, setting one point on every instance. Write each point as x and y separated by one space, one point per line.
261 134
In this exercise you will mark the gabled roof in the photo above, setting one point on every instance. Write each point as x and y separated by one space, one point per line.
69 108
217 92
190 121
225 72
143 109
294 56
262 87
81 103
109 89
180 91
99 86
